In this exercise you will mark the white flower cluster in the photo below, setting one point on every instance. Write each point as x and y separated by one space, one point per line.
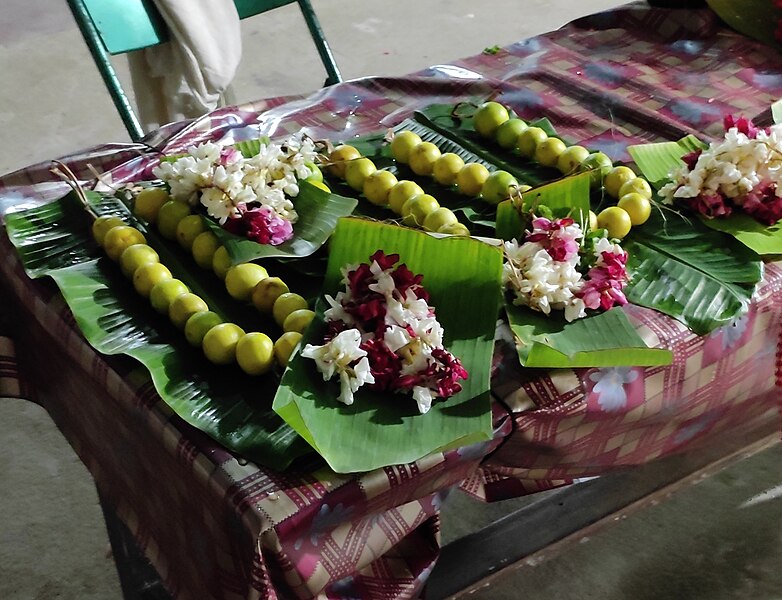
411 331
221 179
542 283
732 167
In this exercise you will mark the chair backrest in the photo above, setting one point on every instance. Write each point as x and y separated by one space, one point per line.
120 26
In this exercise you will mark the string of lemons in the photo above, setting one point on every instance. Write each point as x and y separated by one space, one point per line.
493 121
382 188
222 343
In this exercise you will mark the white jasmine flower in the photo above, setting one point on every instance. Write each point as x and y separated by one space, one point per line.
336 356
423 397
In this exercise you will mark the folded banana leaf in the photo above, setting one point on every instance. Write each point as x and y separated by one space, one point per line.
463 278
231 407
657 161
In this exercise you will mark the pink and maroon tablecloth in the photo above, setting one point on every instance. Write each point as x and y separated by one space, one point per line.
218 527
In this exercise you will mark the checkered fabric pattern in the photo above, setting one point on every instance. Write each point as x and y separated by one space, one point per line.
216 526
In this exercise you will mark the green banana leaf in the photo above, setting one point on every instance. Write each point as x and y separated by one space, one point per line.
569 195
318 211
698 276
231 407
754 18
602 340
657 161
463 278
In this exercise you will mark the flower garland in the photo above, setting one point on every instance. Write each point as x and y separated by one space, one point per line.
558 268
741 172
383 333
248 196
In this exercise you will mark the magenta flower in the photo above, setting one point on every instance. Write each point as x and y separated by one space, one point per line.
261 225
557 237
743 124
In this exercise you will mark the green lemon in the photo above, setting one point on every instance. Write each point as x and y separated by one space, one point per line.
298 320
169 216
148 202
266 293
439 218
489 117
402 144
198 324
340 157
470 179
401 193
455 229
146 276
219 343
378 185
285 304
508 133
599 164
356 172
189 229
240 281
616 221
547 153
570 160
120 237
136 256
498 186
446 168
637 206
255 353
529 140
204 247
415 210
285 345
616 178
185 306
423 157
102 225
637 185
164 292
221 262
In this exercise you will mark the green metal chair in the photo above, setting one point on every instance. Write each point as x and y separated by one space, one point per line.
112 27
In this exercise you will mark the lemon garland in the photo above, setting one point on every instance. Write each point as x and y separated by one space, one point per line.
381 187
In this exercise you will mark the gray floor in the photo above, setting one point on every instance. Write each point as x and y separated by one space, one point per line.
52 539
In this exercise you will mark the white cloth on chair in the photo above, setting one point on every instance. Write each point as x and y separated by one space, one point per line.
187 76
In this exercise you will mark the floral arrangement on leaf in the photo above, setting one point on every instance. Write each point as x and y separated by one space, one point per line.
741 172
248 196
559 268
382 333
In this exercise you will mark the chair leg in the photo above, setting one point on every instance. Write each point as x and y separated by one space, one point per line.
101 57
326 57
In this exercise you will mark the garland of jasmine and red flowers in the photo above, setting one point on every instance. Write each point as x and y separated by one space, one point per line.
743 171
383 333
248 196
558 268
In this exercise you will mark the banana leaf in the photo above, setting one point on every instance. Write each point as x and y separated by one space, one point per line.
698 276
569 195
602 340
231 407
318 211
463 278
754 18
656 162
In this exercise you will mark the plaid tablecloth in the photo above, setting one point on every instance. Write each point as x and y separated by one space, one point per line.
216 526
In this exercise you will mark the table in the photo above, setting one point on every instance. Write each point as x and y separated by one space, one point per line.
216 526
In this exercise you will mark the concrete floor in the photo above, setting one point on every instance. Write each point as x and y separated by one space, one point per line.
52 538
